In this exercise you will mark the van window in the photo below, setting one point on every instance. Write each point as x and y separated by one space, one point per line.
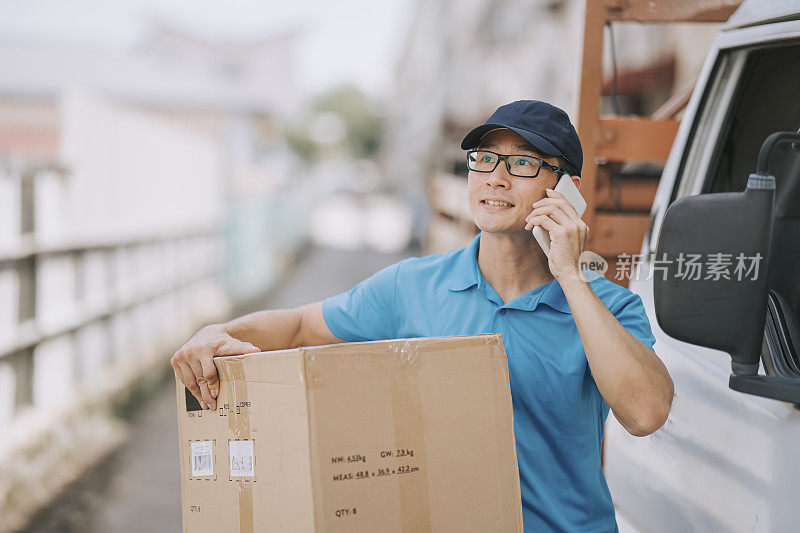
711 121
768 101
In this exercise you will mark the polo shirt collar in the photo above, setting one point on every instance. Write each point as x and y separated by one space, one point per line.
466 274
553 296
465 270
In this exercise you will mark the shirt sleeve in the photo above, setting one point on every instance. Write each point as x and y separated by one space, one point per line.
631 314
365 312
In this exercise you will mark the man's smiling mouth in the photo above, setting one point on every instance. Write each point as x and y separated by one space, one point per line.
497 203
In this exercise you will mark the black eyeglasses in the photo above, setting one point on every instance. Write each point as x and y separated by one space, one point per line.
523 166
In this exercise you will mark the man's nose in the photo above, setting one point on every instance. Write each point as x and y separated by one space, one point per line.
499 177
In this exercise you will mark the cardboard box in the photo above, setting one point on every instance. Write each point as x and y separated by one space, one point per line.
406 435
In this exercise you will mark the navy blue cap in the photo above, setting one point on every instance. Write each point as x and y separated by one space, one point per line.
543 125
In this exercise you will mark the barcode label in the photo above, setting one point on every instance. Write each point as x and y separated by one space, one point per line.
241 458
202 458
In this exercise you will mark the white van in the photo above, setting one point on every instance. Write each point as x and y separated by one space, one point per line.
728 458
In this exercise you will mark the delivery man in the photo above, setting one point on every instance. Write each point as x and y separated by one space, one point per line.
576 346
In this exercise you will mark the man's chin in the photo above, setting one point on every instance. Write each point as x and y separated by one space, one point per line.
507 229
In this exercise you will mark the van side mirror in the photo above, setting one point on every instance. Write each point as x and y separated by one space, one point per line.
725 314
725 311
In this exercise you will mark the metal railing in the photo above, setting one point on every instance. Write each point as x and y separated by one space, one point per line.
79 321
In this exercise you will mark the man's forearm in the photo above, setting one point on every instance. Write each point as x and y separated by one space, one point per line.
280 329
630 376
261 331
276 329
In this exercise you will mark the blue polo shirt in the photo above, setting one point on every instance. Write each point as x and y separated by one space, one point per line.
558 410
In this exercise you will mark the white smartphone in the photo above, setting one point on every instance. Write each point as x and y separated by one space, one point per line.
566 187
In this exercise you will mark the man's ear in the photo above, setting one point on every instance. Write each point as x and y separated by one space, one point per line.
577 181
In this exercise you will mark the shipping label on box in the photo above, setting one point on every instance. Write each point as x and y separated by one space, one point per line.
406 435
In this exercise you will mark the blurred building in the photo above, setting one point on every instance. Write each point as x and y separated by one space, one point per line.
463 59
236 93
169 72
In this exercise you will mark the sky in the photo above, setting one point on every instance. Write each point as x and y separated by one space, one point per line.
326 56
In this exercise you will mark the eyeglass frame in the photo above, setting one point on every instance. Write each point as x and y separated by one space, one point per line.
501 157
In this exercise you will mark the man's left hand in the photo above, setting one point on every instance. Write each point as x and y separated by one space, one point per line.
568 233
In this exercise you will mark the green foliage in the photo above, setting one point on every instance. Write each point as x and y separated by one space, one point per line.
299 141
363 127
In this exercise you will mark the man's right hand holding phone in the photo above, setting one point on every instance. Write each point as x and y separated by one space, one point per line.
567 233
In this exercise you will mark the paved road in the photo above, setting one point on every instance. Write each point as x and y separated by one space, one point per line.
138 487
